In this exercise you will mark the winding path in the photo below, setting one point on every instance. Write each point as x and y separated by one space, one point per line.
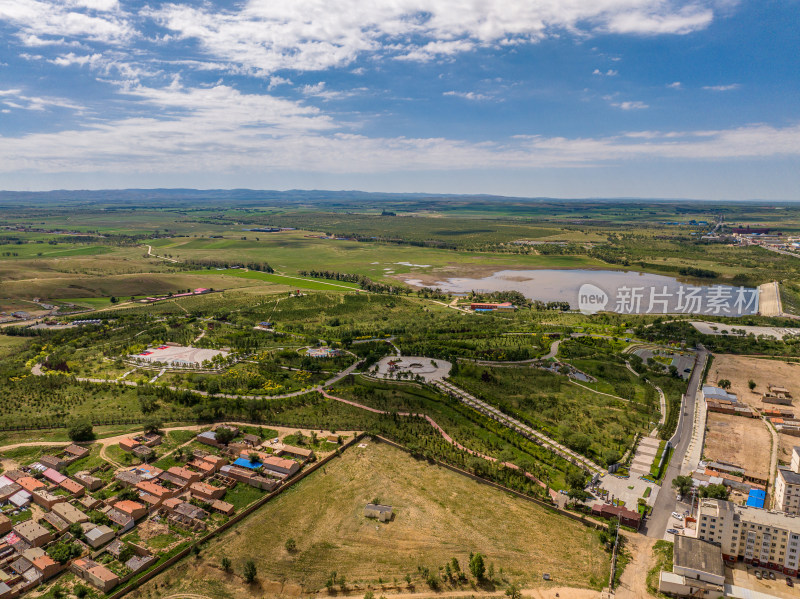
439 429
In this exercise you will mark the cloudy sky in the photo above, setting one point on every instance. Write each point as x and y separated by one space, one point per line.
562 98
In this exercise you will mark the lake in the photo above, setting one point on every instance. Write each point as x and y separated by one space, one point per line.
625 292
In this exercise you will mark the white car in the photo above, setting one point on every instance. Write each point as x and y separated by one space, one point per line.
677 516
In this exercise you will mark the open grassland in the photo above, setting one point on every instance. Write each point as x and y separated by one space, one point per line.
438 515
122 286
11 345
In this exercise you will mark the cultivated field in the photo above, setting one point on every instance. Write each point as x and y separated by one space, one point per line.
438 515
742 441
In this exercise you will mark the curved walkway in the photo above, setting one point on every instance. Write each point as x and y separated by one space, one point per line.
439 429
519 427
36 370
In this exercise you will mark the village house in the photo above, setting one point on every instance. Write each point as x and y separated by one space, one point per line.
223 507
33 533
128 444
46 499
206 492
134 509
89 502
185 474
92 483
95 574
117 518
298 452
49 461
72 487
5 524
56 522
76 452
70 513
30 484
280 466
152 488
45 566
97 536
143 452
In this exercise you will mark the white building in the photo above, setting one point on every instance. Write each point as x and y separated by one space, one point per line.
697 569
787 485
759 537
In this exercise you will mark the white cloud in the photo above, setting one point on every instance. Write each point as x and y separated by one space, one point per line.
94 20
219 129
608 73
15 98
675 85
319 90
275 81
468 95
721 88
265 36
630 105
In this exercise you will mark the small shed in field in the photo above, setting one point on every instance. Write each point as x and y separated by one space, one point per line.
381 512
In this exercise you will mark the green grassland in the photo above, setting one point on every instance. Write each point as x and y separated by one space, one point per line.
438 515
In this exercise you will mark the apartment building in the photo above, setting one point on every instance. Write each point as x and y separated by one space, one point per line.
759 537
787 485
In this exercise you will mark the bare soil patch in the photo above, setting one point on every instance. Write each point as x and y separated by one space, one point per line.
742 441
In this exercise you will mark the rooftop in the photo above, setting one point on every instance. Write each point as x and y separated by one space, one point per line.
695 554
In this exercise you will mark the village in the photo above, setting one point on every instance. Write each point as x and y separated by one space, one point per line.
110 523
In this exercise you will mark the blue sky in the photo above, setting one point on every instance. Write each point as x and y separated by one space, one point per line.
561 98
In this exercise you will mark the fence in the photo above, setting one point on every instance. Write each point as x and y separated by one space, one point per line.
500 487
235 520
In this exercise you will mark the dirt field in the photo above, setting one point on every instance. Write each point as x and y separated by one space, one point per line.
741 369
438 515
742 441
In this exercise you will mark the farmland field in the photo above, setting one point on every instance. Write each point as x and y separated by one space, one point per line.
438 515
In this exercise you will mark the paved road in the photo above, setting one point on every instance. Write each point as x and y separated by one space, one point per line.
666 502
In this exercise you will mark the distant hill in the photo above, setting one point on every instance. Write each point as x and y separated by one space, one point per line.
244 196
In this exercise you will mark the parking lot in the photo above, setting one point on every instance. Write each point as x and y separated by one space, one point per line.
743 576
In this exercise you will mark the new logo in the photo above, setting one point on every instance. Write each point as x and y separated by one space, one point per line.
591 299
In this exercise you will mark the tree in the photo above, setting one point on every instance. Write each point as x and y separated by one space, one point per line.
249 573
80 429
752 384
719 491
114 300
455 565
63 552
724 383
291 545
126 553
226 564
224 434
682 484
512 592
575 478
477 567
152 426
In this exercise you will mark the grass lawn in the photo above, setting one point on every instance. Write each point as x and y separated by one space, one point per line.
296 282
242 495
438 515
27 455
